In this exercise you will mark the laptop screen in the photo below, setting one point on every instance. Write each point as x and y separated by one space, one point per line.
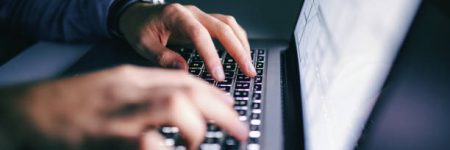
345 50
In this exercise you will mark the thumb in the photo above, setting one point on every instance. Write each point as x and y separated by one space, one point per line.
171 59
162 55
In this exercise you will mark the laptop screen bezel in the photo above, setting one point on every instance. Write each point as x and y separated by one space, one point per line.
292 102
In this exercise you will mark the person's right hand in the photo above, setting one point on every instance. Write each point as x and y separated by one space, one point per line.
127 102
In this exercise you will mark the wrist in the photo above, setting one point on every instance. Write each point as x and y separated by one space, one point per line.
116 11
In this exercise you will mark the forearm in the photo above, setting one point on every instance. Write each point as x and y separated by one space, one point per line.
57 20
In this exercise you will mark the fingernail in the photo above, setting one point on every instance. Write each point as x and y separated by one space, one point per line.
218 73
251 67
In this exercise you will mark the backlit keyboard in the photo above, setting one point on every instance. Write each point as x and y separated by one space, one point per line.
248 94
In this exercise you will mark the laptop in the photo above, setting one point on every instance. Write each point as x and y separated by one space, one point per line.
334 68
315 92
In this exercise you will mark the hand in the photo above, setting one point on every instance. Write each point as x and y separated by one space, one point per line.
150 27
128 101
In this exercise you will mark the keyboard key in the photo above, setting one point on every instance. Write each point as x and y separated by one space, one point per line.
196 65
224 88
169 142
206 75
242 86
254 134
260 58
210 81
230 144
197 58
240 93
186 50
229 60
253 140
207 146
212 127
258 87
195 72
211 140
253 147
169 129
229 67
227 81
258 79
256 106
242 112
254 127
240 103
255 116
241 78
259 71
260 65
240 72
229 74
257 96
261 52
214 134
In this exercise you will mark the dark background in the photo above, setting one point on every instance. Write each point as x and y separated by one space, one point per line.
263 19
414 107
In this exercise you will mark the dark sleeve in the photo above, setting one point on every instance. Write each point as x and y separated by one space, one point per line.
57 20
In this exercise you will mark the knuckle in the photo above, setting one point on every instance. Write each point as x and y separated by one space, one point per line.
187 78
125 69
173 7
223 28
175 95
173 99
196 30
229 19
192 7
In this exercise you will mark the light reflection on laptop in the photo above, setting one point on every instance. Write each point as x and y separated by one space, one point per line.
346 48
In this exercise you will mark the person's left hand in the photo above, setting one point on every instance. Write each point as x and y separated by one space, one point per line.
150 27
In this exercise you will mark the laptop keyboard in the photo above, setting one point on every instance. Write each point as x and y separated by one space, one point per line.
246 91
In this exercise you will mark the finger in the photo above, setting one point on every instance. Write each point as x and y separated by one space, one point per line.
225 34
148 78
153 140
154 50
169 58
215 109
149 110
133 124
185 116
225 97
202 41
237 29
141 81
